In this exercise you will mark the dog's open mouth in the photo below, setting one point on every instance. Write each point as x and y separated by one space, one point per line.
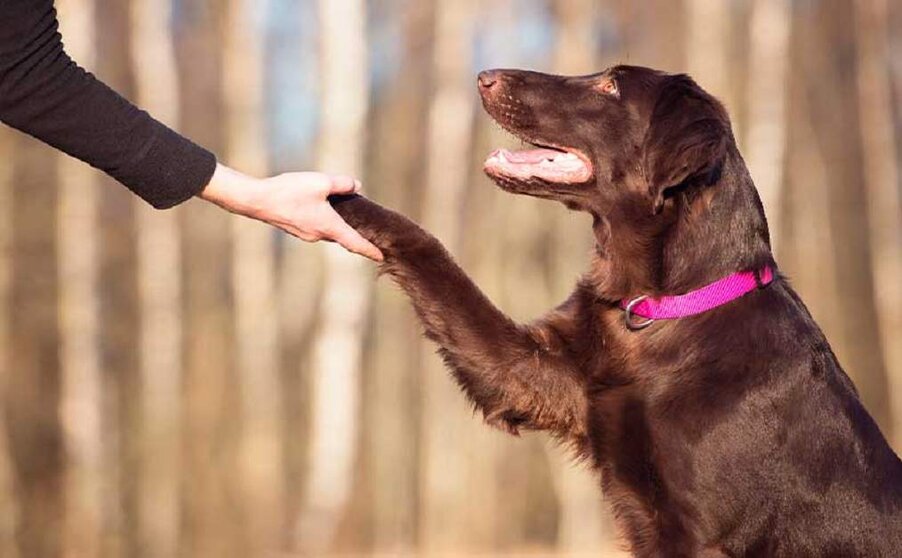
545 163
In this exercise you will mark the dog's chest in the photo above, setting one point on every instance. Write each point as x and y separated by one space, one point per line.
640 452
635 479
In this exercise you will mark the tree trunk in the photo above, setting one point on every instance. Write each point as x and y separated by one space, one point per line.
337 349
882 190
456 476
650 33
214 525
393 376
160 299
254 280
708 47
119 310
300 269
768 85
32 386
82 396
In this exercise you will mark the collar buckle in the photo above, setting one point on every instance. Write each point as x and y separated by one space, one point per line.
629 317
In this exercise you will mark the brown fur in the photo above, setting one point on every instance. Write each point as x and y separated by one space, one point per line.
731 433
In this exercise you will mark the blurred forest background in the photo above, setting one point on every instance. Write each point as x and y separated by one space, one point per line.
274 399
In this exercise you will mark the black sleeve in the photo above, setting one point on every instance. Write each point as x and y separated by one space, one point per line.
45 94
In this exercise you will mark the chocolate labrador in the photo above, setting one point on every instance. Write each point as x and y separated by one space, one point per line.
683 367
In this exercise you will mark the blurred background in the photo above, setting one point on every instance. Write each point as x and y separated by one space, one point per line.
189 384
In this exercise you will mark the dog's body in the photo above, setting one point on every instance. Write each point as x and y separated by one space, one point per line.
731 433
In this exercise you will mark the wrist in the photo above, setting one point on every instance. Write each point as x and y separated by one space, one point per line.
233 191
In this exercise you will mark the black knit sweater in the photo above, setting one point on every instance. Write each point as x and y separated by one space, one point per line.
45 94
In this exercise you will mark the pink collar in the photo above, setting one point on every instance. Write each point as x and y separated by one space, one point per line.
695 302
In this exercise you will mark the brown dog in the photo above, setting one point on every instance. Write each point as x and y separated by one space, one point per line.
733 432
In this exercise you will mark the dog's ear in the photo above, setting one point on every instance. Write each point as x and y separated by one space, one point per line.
687 137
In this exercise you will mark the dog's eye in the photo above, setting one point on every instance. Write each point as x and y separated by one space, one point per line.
609 87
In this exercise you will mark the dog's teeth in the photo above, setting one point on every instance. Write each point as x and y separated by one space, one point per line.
566 157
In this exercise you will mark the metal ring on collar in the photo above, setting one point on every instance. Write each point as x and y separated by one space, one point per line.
628 315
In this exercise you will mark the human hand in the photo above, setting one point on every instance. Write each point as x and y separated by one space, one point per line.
294 202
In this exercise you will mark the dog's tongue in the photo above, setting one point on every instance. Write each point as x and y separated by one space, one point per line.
530 156
547 164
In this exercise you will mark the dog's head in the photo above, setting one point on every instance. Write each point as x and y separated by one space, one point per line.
628 133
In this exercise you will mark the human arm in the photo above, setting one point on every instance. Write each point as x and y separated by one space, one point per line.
293 202
45 94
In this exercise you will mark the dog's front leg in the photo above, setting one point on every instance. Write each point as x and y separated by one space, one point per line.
519 376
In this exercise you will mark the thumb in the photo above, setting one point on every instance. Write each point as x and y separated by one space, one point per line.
351 240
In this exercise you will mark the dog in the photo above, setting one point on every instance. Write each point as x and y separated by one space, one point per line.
683 368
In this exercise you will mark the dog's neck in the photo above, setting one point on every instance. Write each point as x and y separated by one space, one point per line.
711 231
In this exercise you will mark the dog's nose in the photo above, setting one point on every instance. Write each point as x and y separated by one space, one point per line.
488 79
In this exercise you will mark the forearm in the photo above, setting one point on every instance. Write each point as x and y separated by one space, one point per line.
45 94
